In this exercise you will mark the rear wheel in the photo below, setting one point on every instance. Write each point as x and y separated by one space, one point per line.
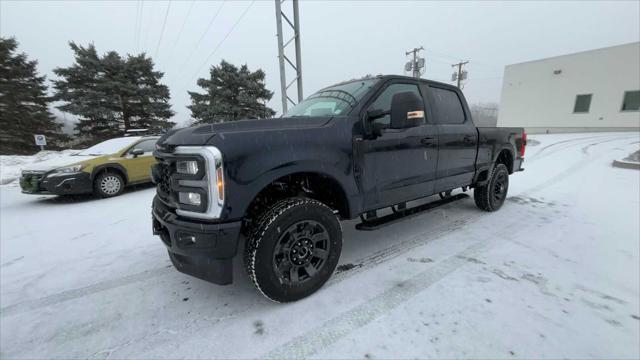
492 195
108 184
293 249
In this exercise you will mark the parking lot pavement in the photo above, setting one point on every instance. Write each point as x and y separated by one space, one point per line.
554 273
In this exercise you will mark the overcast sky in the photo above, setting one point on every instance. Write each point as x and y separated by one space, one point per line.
340 39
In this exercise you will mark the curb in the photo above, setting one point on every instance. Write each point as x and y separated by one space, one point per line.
626 164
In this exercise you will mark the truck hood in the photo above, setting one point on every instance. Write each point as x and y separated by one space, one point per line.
57 162
200 135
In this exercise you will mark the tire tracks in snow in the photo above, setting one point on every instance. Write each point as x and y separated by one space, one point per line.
402 247
340 326
569 143
586 157
81 292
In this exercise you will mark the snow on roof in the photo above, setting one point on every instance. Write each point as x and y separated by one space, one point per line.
110 146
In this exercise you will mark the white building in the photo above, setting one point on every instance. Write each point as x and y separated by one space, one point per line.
597 90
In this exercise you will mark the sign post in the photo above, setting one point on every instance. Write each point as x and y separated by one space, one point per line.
40 140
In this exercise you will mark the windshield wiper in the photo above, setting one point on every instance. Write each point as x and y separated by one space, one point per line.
341 94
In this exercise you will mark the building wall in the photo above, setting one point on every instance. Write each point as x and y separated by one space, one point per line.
535 98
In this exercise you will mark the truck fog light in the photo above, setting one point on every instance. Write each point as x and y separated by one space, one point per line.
189 167
187 238
190 198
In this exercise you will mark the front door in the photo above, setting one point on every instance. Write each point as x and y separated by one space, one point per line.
400 165
139 168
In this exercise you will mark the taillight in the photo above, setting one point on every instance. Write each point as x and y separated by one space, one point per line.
524 143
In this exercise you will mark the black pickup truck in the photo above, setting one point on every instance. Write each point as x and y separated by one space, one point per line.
279 187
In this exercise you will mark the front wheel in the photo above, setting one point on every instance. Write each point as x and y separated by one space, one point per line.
491 195
293 249
108 184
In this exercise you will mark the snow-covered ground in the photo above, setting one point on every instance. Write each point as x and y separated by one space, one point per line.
554 274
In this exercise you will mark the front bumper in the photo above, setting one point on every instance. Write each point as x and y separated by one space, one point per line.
200 249
56 184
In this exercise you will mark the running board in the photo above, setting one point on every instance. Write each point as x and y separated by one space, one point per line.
377 223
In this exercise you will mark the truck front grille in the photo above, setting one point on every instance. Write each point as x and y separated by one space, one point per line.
164 177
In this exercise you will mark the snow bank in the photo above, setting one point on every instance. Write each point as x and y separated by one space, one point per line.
11 165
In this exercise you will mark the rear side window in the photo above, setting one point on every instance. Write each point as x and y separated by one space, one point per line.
447 107
383 101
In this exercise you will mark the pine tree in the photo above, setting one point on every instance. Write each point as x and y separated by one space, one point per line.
111 95
23 103
232 93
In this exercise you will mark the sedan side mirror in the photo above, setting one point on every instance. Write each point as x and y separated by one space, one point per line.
136 152
407 110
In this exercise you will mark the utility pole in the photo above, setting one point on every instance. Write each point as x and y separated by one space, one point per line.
460 75
295 25
417 63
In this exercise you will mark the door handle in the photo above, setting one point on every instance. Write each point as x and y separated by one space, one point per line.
469 139
429 141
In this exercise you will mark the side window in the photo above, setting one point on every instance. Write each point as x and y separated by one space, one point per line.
383 101
631 101
447 108
583 103
147 145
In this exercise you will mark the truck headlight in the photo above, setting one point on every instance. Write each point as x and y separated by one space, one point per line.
190 198
69 169
189 167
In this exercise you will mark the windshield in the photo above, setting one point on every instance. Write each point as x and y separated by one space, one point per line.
333 101
110 146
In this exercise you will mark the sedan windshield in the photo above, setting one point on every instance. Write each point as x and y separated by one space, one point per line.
333 101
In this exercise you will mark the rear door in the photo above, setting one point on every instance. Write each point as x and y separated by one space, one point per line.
400 165
458 138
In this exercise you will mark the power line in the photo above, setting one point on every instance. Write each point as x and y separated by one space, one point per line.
182 28
139 26
223 39
135 24
203 35
151 17
451 57
164 23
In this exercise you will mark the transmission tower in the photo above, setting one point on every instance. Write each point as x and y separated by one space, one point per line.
282 57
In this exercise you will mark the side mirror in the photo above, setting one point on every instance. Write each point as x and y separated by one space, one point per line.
375 129
407 110
136 152
376 114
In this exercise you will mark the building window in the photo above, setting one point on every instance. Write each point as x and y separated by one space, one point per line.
631 101
583 102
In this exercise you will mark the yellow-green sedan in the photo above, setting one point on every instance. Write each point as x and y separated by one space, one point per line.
103 169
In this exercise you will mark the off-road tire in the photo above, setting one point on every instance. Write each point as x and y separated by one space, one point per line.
104 192
263 239
486 196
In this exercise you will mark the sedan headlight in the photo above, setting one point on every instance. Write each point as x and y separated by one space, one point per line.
69 169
